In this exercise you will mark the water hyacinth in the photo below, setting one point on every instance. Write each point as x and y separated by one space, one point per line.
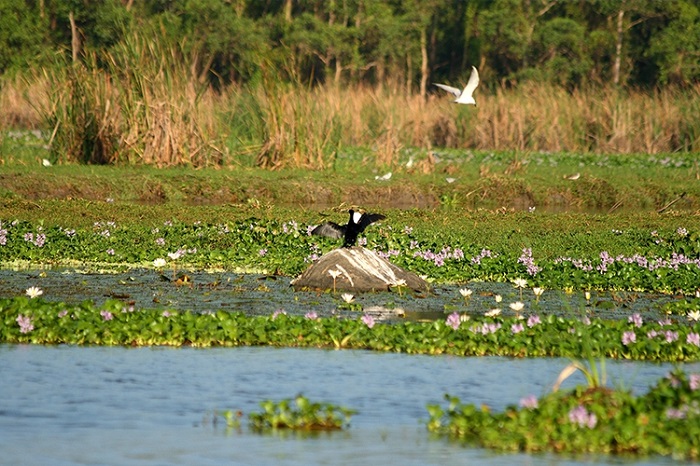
581 417
529 402
106 315
636 319
368 320
453 320
628 338
25 324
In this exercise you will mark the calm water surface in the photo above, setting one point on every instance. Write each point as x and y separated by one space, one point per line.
152 406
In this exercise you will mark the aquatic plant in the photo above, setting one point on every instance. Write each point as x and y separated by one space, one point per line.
586 419
671 263
87 323
300 414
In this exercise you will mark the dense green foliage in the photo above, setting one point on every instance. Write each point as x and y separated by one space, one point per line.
644 42
633 258
664 421
33 320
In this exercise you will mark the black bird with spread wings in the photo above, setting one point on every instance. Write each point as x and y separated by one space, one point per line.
356 225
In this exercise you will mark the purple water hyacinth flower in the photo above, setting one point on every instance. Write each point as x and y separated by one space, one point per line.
665 322
675 413
160 241
636 319
262 252
278 312
106 315
453 320
63 313
629 338
533 320
166 314
368 320
580 416
527 260
693 339
694 381
529 402
311 315
25 324
517 328
110 251
671 336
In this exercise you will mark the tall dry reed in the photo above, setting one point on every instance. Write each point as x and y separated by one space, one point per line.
143 104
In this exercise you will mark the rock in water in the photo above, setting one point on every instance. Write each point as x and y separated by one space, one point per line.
356 269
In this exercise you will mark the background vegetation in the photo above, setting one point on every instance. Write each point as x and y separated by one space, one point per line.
294 83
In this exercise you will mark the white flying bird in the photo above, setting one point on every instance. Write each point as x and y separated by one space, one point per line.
465 96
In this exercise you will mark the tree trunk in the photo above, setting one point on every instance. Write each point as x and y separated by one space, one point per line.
75 39
423 64
288 11
618 48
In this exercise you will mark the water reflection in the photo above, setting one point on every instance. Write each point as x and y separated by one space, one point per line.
100 405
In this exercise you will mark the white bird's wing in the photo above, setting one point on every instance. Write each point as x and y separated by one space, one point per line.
450 89
466 96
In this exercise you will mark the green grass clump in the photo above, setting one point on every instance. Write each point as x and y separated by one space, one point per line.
585 420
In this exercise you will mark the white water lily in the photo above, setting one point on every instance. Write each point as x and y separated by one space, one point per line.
517 306
694 315
347 297
538 291
520 283
334 273
159 263
492 313
33 292
400 282
174 255
498 298
465 292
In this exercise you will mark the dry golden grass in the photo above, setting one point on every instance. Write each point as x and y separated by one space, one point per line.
144 107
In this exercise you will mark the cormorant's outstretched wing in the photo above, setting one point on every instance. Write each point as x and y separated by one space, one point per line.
329 229
368 219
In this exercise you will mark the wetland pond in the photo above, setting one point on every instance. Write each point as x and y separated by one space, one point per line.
66 405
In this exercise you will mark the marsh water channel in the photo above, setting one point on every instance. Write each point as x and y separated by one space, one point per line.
69 405
264 294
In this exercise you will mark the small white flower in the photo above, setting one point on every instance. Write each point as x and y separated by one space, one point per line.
492 313
159 263
334 273
465 292
400 282
46 162
517 306
498 298
174 255
34 291
520 283
694 315
538 291
347 297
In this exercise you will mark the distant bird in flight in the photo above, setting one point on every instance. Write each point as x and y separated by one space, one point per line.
465 96
356 225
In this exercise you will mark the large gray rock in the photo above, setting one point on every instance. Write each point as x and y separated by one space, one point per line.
357 269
